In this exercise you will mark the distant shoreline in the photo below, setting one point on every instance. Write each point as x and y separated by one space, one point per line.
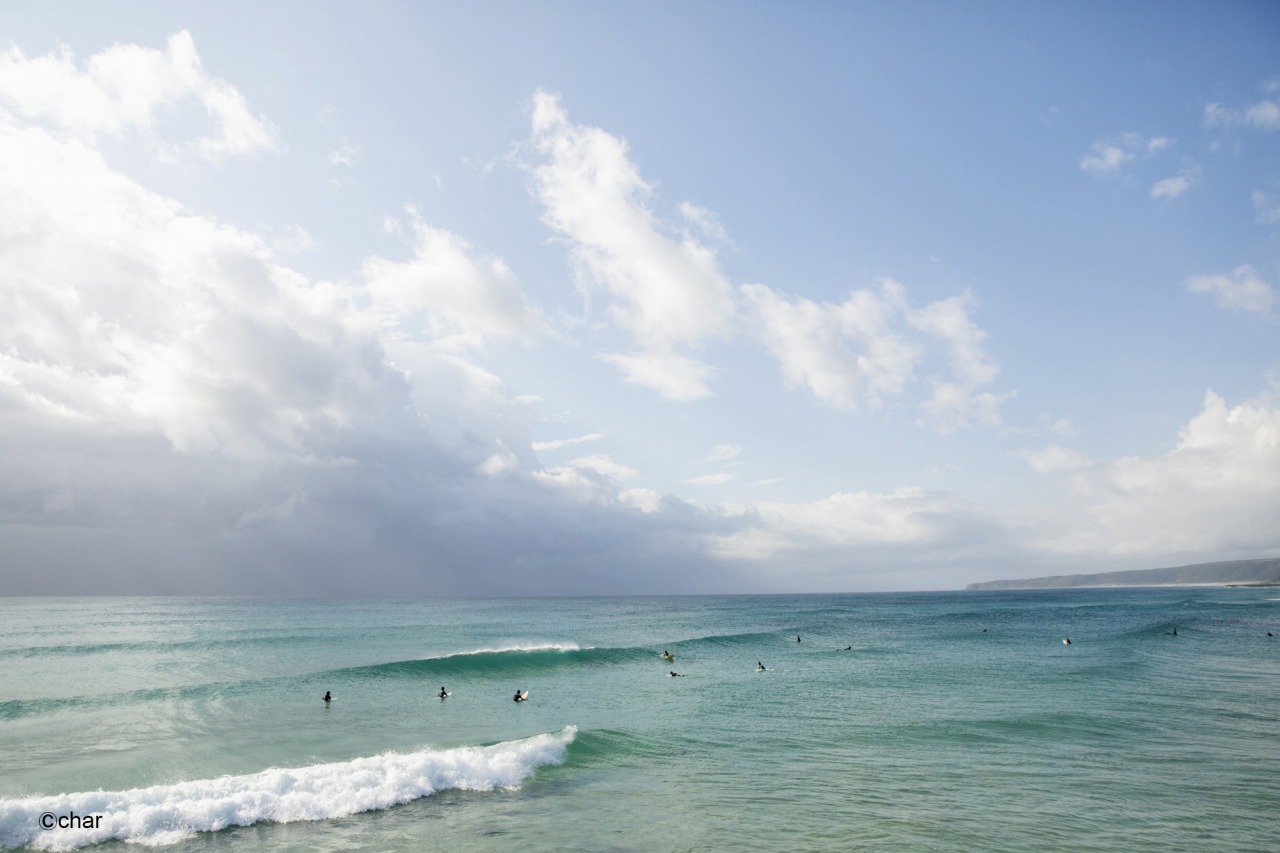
1233 573
1232 584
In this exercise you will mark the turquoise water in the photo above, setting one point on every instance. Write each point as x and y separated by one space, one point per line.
197 724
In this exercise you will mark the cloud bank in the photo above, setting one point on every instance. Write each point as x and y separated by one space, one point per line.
182 411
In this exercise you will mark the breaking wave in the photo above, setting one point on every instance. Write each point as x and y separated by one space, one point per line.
164 814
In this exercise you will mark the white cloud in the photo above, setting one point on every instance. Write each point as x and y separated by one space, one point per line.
948 320
500 463
1264 115
844 354
667 291
347 154
447 293
1054 459
644 500
1105 158
1216 492
1267 207
709 480
556 444
128 87
955 405
861 352
1175 186
1244 290
705 221
724 453
595 479
669 294
604 465
197 417
297 239
674 376
1110 157
843 520
123 309
1060 426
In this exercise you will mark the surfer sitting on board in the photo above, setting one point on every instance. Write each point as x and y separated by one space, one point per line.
327 697
519 696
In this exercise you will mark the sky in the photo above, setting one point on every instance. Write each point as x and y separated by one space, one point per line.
563 298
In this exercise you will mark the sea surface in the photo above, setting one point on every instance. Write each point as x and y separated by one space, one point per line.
923 721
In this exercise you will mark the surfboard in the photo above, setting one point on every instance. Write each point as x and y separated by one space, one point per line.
446 695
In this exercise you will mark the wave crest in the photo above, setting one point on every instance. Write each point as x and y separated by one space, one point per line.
163 814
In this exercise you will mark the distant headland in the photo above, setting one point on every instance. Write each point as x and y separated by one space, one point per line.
1232 573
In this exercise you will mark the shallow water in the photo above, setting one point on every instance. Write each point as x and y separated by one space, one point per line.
196 724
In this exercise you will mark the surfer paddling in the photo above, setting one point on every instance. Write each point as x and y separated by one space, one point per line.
675 674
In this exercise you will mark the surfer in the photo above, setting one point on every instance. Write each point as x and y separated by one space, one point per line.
1066 641
848 648
675 674
797 638
519 697
1174 632
443 693
327 696
759 666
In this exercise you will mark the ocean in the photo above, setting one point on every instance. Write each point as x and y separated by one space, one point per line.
921 721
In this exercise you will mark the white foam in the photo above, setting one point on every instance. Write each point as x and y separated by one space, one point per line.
519 647
163 814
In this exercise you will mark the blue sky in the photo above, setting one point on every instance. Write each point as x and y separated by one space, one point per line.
651 298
